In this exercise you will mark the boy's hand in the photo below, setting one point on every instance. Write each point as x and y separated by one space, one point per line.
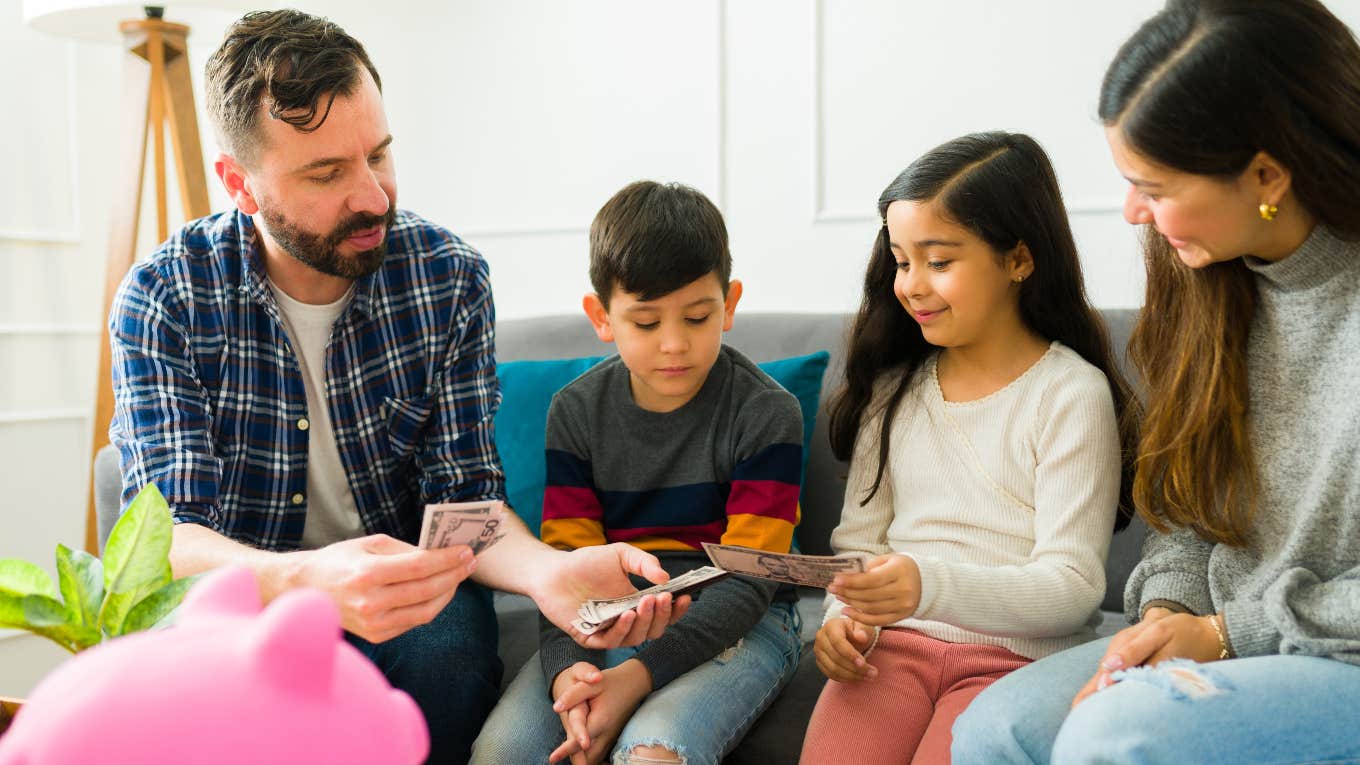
572 690
618 693
840 647
888 591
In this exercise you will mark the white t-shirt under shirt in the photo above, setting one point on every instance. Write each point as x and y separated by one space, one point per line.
1006 503
331 513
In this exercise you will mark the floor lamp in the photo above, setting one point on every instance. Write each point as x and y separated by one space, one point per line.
157 97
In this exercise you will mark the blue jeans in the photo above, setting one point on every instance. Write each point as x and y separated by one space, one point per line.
1265 709
450 667
700 715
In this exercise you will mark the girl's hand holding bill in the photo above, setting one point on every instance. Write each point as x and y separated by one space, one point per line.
887 592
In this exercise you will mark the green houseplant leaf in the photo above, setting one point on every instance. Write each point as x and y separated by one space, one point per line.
132 589
81 578
19 577
156 607
117 605
138 549
42 611
50 618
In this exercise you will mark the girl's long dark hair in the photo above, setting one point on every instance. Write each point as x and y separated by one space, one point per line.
1000 186
1203 87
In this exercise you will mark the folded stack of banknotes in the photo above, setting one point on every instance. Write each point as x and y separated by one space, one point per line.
475 524
792 568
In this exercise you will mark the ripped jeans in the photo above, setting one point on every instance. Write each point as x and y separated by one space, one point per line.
700 715
1264 709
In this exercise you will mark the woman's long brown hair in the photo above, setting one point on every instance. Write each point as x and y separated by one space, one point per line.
1195 465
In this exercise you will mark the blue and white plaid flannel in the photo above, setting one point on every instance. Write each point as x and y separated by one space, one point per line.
208 393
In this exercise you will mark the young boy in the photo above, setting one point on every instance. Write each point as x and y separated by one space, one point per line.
676 441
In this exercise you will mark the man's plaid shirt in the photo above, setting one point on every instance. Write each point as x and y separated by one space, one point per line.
209 402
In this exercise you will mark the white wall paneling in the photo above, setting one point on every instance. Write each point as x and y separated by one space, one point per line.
52 237
41 101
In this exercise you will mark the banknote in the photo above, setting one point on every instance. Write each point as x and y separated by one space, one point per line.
594 615
475 524
806 570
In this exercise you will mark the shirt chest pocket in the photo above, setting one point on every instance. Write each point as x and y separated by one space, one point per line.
407 420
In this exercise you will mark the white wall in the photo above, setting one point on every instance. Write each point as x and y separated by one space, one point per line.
516 119
52 233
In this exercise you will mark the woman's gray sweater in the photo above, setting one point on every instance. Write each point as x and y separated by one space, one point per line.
1295 587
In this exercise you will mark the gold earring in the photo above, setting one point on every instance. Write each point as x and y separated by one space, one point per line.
1268 211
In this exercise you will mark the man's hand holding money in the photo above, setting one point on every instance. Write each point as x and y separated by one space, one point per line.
571 578
888 591
557 581
382 586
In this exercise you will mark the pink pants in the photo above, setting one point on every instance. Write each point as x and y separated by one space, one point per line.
903 715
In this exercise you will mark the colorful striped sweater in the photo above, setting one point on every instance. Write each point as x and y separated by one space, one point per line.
725 467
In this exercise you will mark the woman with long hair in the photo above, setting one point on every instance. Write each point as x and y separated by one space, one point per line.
1237 125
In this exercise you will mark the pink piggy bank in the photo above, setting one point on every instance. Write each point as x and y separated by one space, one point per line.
229 683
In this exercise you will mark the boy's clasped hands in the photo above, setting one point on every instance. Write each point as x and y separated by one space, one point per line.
595 704
887 592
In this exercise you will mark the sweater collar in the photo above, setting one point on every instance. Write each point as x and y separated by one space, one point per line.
1321 256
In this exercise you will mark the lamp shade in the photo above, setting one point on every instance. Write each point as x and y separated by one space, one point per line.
97 20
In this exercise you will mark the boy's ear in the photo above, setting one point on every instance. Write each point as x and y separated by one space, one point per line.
233 177
1020 264
730 304
599 317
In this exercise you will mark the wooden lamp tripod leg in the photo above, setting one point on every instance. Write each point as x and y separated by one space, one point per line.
156 89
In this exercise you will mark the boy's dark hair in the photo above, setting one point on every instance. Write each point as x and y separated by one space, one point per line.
1000 186
293 62
651 239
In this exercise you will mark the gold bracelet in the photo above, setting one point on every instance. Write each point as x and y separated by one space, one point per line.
1216 621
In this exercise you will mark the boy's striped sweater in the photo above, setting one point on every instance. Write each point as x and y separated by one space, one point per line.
725 467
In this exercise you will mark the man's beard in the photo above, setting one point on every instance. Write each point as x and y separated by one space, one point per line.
321 253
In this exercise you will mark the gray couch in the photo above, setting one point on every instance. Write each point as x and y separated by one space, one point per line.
777 736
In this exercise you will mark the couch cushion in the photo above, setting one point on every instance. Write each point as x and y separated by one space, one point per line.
527 388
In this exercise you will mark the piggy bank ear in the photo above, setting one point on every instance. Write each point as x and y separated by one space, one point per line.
229 591
294 642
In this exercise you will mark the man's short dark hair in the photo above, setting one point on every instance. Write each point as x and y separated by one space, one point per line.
292 62
651 239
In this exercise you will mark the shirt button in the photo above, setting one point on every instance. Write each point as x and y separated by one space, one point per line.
303 424
298 498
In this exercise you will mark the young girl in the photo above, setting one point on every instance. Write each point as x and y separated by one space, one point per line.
1237 125
981 417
